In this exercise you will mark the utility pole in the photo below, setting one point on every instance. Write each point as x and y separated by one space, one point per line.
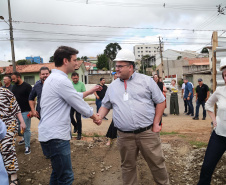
168 67
160 51
214 62
11 38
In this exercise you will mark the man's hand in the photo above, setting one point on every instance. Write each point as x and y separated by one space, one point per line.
156 128
96 88
97 119
188 98
97 97
22 127
35 114
206 99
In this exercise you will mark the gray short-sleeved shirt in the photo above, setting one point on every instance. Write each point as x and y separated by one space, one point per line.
139 110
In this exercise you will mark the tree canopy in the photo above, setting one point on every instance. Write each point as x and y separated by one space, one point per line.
204 50
51 59
102 61
23 62
111 50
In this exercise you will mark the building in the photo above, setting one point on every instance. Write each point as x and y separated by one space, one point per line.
38 59
146 49
30 73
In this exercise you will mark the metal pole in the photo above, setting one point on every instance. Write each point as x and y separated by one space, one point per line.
11 38
168 67
160 45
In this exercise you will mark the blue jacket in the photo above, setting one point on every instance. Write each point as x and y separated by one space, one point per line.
37 92
188 89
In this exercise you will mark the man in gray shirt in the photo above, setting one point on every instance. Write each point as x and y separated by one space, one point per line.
132 97
58 96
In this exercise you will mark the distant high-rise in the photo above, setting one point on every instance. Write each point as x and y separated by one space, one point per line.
38 59
146 49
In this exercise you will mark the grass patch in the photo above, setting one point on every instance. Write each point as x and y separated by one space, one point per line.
88 99
198 144
168 133
182 136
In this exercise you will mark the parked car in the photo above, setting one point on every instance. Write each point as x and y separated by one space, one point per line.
167 84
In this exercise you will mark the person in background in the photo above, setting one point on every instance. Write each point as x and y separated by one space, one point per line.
37 92
7 81
112 130
156 78
174 105
217 143
100 94
10 113
202 95
188 95
3 173
186 108
79 87
22 90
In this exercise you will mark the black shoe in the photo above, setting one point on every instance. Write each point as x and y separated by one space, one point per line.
185 112
195 118
164 114
79 137
188 114
204 118
192 115
75 130
105 118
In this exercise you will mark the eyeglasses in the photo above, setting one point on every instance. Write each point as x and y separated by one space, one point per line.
120 66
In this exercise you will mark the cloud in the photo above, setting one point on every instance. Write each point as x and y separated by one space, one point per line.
76 12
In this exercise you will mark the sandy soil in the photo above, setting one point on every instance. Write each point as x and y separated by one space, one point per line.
183 141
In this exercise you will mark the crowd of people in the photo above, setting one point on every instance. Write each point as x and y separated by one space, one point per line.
138 104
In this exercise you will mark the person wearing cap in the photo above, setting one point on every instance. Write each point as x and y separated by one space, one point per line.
132 97
188 96
202 95
217 143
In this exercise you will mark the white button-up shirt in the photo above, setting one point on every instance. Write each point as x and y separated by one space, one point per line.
139 110
58 96
219 97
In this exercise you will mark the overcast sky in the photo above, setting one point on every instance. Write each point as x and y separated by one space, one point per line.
90 27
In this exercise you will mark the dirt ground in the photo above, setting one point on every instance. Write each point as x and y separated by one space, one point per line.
183 141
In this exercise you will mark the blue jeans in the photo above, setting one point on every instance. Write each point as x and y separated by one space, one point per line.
190 106
214 151
27 132
198 103
98 103
60 153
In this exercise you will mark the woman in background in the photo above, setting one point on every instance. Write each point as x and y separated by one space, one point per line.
9 112
174 106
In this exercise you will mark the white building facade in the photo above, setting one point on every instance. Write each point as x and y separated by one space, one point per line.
146 49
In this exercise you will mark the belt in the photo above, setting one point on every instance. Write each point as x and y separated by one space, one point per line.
137 131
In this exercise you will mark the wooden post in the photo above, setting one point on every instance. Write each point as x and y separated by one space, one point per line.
214 62
214 59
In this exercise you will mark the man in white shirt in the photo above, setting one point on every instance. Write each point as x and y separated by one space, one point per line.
58 96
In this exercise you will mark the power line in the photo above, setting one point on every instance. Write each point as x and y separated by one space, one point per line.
117 27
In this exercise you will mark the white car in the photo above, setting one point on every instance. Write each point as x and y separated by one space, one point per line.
167 83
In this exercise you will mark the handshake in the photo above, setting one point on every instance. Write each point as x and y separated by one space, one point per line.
96 118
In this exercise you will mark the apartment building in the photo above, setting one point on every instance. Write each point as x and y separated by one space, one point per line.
146 49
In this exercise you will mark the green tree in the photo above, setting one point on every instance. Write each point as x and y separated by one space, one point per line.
51 59
205 50
102 61
23 62
84 58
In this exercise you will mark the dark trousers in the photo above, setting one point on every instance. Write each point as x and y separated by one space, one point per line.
190 106
185 106
214 151
174 106
198 103
98 103
60 154
77 125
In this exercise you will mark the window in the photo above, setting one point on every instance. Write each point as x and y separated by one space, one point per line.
138 51
149 51
30 79
138 55
146 51
138 48
141 47
146 47
141 51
